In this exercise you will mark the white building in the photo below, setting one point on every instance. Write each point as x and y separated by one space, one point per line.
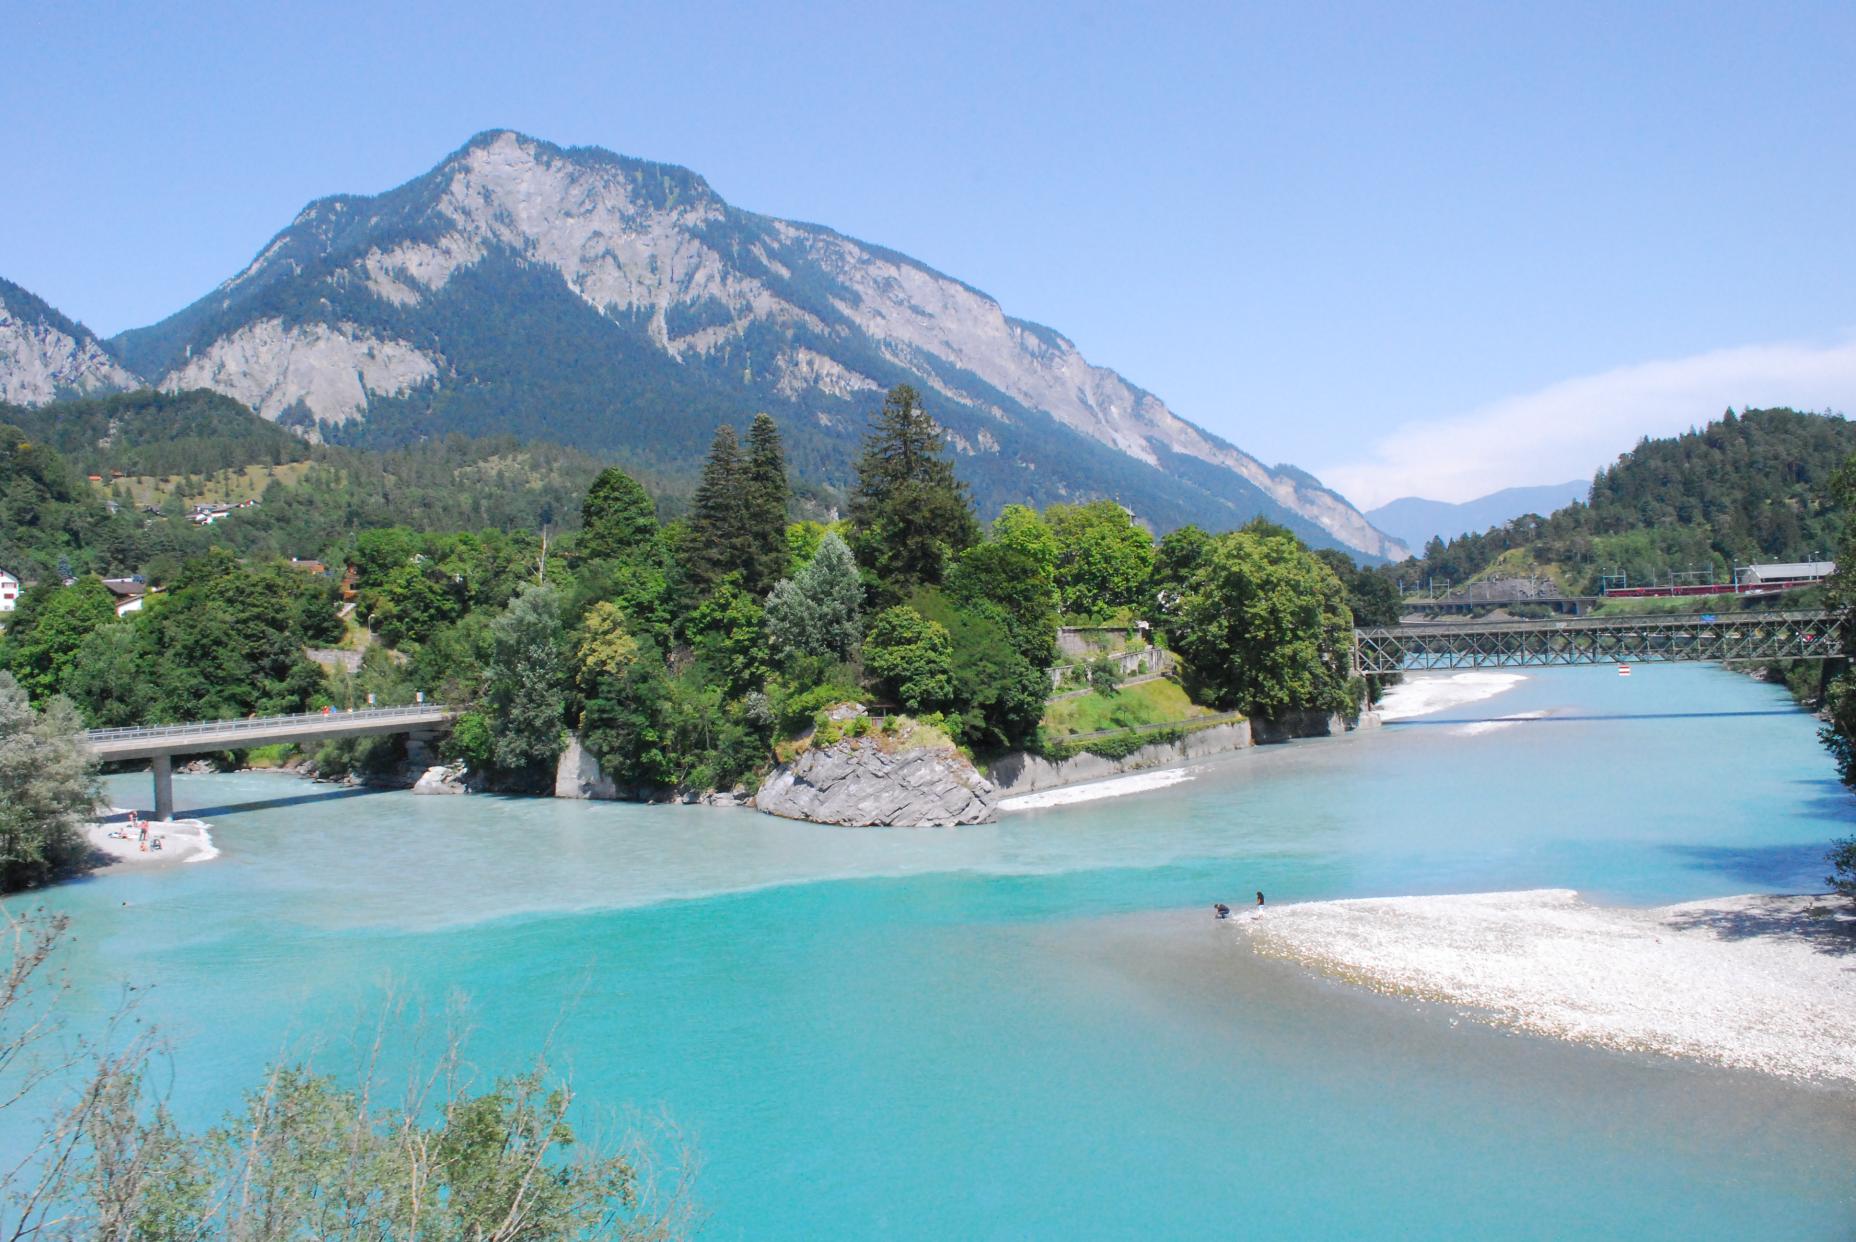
9 591
1786 571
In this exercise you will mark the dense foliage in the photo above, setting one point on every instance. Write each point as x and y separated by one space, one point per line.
682 653
48 787
1748 487
1263 625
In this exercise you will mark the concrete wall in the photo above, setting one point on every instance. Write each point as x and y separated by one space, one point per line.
1022 773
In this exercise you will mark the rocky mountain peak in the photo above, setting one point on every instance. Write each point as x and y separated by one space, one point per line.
44 355
622 305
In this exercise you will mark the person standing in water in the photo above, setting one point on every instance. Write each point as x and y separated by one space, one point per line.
1258 912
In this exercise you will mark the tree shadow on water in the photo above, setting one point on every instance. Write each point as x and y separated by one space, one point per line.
1827 924
1769 867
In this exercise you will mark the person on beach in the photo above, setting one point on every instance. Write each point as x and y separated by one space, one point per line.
1258 912
1221 911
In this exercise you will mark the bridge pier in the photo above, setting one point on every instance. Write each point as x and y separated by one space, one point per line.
163 768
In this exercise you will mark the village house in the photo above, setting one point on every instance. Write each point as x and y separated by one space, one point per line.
130 593
9 591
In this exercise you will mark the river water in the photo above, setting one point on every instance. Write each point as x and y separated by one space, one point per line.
1032 1028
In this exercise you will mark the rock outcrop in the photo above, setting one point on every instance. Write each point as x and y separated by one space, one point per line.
443 779
577 774
44 356
859 783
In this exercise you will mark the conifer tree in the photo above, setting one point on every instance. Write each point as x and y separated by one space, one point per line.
718 542
618 520
909 513
764 499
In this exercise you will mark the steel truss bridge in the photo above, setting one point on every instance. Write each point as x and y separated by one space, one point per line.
1645 639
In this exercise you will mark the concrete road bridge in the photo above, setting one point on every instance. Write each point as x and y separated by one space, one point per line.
1643 639
160 743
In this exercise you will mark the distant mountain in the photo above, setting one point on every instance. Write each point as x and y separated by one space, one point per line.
1414 521
45 356
623 307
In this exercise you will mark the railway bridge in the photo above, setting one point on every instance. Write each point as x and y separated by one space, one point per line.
1642 639
160 743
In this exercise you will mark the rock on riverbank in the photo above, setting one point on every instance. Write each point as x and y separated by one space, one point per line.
859 782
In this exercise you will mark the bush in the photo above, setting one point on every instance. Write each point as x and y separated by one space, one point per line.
1842 860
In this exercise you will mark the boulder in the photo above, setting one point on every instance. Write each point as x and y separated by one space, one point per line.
859 783
442 779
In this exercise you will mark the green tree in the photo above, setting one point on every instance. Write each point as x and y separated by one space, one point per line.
911 657
1104 560
996 694
48 630
48 787
1842 860
818 612
718 542
910 514
1175 560
1015 570
1263 626
618 519
525 676
604 648
765 493
728 634
111 681
228 639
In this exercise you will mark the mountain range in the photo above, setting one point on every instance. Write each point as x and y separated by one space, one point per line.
622 307
1415 521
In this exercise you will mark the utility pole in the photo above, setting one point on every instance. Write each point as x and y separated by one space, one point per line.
541 566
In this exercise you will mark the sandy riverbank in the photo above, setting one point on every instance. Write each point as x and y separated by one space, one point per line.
1420 694
182 840
1754 982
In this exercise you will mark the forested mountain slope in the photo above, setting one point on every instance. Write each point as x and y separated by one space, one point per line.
169 451
623 307
1748 487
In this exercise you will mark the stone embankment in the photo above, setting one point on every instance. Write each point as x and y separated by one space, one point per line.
860 782
1020 774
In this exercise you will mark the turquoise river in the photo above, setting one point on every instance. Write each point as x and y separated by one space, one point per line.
1033 1029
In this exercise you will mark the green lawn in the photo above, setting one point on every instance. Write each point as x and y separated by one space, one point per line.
1151 702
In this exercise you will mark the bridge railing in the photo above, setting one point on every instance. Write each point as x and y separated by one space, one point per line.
1649 638
266 724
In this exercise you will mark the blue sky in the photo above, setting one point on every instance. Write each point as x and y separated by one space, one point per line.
1430 249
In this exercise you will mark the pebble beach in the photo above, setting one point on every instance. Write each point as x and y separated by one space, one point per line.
1764 983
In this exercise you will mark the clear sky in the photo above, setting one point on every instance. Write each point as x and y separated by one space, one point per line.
1415 249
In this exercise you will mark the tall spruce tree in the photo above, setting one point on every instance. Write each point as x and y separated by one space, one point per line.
718 534
764 496
909 513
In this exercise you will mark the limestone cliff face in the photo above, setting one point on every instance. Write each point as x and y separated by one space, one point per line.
368 298
44 356
331 371
857 783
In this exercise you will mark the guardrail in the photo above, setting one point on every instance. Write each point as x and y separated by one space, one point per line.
266 724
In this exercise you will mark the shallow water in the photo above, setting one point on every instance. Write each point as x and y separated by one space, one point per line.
1032 1028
